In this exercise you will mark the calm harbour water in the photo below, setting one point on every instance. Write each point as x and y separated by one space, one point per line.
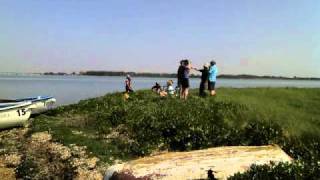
71 89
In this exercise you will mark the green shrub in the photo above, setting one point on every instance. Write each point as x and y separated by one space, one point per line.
296 170
27 169
146 123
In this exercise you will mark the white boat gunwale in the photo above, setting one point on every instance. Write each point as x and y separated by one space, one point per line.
37 99
8 106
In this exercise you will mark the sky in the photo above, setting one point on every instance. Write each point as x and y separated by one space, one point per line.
260 37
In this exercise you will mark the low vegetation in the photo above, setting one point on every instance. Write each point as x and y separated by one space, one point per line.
113 128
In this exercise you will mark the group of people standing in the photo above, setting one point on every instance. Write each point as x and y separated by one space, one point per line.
208 78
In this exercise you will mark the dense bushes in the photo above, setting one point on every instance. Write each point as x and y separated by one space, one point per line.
145 123
152 123
176 125
306 152
296 170
27 169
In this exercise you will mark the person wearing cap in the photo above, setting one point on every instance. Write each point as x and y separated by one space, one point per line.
213 71
204 78
128 83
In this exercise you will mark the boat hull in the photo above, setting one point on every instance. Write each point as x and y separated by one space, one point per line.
42 106
15 116
40 103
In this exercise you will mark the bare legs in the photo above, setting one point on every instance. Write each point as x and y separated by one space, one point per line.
184 93
212 92
212 88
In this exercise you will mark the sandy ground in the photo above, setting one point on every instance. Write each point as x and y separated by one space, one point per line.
51 159
55 160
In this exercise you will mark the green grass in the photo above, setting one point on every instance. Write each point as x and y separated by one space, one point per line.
113 128
296 110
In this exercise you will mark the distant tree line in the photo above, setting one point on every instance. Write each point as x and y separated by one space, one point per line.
58 73
174 75
246 76
135 74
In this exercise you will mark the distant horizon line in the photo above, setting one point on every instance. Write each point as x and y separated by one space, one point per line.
163 74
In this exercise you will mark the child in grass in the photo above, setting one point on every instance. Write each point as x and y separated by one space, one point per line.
169 90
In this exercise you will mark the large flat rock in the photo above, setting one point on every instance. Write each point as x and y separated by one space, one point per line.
224 161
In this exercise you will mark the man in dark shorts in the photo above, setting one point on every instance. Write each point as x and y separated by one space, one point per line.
180 76
185 80
213 71
185 83
204 79
212 86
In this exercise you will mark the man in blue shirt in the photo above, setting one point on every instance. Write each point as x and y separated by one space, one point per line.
213 71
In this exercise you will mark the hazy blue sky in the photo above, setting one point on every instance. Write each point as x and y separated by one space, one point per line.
264 37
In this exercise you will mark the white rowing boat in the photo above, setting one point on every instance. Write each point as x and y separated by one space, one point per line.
218 162
40 103
14 114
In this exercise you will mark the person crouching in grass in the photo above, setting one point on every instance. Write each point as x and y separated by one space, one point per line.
169 90
213 71
156 88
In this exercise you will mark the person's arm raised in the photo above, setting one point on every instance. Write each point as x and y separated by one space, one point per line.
195 69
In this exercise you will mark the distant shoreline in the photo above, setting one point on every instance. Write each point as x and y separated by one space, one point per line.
174 75
158 75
